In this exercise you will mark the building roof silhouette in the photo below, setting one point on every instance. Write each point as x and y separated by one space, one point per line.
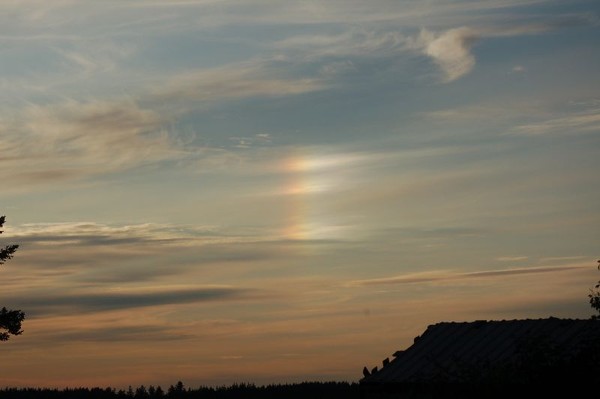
453 352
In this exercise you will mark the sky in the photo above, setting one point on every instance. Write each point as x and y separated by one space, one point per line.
222 191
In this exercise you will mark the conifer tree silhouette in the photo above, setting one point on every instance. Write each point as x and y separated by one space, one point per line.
595 297
10 320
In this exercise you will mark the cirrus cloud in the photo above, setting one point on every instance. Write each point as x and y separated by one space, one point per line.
443 276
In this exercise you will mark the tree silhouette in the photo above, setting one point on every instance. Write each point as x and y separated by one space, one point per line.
321 390
10 320
595 297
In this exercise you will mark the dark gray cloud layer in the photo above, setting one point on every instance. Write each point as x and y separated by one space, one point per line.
119 334
97 302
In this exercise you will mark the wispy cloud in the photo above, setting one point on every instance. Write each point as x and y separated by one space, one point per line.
48 232
142 236
240 81
46 143
562 258
73 139
359 43
511 258
97 255
216 14
444 276
588 121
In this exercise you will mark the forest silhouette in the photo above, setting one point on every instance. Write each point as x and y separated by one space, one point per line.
322 390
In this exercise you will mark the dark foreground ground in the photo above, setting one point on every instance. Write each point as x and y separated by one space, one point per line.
316 390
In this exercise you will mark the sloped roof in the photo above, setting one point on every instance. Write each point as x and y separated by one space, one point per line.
444 348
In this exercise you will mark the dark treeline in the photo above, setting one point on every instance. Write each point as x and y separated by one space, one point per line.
317 390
